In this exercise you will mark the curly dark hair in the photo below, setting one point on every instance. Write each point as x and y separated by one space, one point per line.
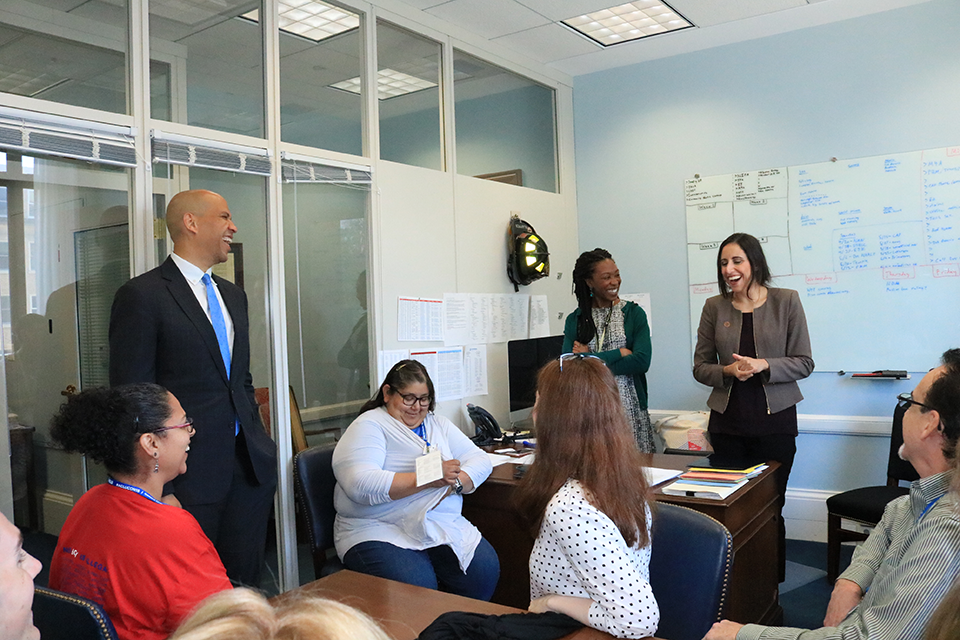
400 376
106 423
583 271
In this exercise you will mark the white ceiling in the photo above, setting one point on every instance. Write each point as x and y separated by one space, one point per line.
531 27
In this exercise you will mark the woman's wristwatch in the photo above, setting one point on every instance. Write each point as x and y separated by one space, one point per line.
457 486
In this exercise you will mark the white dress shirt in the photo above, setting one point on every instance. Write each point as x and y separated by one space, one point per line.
192 273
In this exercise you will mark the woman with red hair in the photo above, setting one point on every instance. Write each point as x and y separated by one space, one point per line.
589 503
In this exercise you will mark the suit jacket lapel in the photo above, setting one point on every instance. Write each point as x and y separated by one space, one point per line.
184 297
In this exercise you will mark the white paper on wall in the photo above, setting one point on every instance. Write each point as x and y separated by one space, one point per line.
539 317
419 319
475 370
386 360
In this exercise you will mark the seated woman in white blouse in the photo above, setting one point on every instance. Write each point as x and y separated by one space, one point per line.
389 526
588 501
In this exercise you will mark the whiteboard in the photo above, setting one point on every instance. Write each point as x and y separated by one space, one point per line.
872 245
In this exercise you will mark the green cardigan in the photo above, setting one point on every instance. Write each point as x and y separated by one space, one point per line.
638 341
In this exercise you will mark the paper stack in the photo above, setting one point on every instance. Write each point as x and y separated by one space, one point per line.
715 484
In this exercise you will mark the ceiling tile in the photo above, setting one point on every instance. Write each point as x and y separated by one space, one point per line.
548 43
489 18
424 4
557 10
706 13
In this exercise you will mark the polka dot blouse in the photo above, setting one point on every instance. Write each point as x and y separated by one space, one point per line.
580 552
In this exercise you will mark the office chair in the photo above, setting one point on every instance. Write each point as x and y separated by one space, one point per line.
313 483
690 561
865 505
262 396
62 616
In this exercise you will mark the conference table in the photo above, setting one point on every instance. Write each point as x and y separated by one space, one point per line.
750 514
404 610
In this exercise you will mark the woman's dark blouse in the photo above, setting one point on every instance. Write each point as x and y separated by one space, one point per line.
746 413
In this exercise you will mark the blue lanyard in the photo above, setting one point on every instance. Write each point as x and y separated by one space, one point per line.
927 508
129 487
422 432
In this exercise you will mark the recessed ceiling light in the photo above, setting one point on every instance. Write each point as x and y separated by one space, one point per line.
390 84
626 22
311 19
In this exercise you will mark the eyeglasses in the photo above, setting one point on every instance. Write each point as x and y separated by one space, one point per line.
577 356
410 399
904 400
188 425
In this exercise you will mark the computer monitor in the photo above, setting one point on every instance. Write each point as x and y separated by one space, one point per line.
524 360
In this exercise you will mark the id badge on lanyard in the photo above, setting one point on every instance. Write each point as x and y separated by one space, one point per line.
429 466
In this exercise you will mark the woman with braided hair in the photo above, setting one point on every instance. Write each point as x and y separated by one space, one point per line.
614 330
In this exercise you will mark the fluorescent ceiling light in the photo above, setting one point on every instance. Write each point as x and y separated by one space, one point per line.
627 22
390 84
311 19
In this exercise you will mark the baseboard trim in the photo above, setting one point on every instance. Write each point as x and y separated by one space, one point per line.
56 508
868 426
805 513
805 510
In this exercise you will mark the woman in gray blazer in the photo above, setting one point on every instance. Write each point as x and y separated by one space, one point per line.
752 347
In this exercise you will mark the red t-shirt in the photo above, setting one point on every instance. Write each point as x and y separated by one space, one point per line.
147 564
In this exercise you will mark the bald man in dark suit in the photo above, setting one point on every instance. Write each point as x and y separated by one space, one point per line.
180 328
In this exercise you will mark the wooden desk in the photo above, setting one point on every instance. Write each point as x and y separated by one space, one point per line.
750 514
402 609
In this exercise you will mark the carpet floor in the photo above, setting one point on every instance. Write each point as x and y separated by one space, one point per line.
804 595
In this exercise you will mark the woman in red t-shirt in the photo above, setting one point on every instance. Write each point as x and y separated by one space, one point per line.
124 545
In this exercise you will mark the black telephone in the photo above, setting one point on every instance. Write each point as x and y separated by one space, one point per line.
487 428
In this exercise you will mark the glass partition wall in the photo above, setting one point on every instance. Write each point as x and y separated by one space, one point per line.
83 194
505 125
67 252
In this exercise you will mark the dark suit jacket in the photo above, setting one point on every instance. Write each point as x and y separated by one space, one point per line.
159 333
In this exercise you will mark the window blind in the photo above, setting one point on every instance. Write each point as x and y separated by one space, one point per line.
197 152
39 134
303 171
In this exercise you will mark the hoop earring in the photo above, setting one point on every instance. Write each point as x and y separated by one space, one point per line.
156 462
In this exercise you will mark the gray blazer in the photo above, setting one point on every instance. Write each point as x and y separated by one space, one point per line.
780 333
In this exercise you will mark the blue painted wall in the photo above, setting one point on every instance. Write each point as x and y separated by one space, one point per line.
878 84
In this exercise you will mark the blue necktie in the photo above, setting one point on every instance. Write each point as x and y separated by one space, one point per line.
220 328
216 319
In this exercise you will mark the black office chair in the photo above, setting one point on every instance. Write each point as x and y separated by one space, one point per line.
690 561
865 505
62 616
313 483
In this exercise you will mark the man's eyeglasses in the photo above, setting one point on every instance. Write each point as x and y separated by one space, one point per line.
188 425
410 399
904 400
574 356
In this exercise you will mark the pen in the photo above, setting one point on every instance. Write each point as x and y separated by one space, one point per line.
527 443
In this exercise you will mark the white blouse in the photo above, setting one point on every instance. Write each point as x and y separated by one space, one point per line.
580 552
374 448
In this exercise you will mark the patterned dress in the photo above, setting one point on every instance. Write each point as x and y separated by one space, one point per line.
609 323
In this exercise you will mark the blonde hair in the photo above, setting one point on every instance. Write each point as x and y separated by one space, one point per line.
944 624
242 614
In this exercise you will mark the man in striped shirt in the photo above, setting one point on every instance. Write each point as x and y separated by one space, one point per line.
906 566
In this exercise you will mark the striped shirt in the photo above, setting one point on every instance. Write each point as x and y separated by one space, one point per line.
905 568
